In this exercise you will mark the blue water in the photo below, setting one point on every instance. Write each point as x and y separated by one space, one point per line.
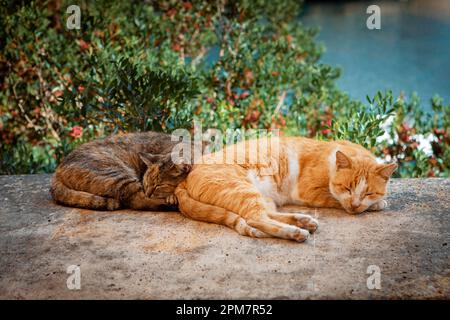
410 53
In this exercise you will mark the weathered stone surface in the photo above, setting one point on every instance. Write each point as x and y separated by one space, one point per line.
148 255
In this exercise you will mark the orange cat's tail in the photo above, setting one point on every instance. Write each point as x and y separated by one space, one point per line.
74 198
209 213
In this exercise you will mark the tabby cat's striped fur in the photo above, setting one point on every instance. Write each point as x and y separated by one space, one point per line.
122 171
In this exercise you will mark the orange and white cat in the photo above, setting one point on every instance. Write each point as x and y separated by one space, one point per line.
232 189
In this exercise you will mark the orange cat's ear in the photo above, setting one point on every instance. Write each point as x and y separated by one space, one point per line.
342 161
386 170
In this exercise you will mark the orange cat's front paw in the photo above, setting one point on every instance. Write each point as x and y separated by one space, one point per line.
307 222
299 235
380 205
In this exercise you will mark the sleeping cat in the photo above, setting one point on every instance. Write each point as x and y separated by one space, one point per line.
122 171
244 195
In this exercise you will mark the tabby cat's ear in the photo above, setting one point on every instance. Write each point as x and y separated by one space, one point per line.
342 161
151 159
183 168
386 170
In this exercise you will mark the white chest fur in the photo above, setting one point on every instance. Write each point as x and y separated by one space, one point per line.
287 193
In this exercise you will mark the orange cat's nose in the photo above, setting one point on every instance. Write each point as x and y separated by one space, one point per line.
355 206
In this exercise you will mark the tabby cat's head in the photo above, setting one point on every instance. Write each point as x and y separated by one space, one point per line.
162 175
359 183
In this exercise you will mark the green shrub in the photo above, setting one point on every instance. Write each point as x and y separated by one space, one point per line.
155 66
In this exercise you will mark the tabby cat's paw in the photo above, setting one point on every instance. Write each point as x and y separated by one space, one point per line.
112 204
172 200
380 205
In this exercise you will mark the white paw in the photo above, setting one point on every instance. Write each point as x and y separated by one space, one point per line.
307 222
380 205
299 235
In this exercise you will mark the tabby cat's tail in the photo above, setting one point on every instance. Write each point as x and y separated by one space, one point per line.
210 213
74 198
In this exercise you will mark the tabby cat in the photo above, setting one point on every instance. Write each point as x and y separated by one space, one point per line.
122 171
244 195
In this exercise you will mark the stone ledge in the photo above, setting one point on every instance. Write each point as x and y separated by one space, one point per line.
148 255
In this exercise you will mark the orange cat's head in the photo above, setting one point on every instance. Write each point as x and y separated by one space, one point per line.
359 182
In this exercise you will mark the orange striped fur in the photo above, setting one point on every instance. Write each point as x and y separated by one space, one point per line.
244 195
